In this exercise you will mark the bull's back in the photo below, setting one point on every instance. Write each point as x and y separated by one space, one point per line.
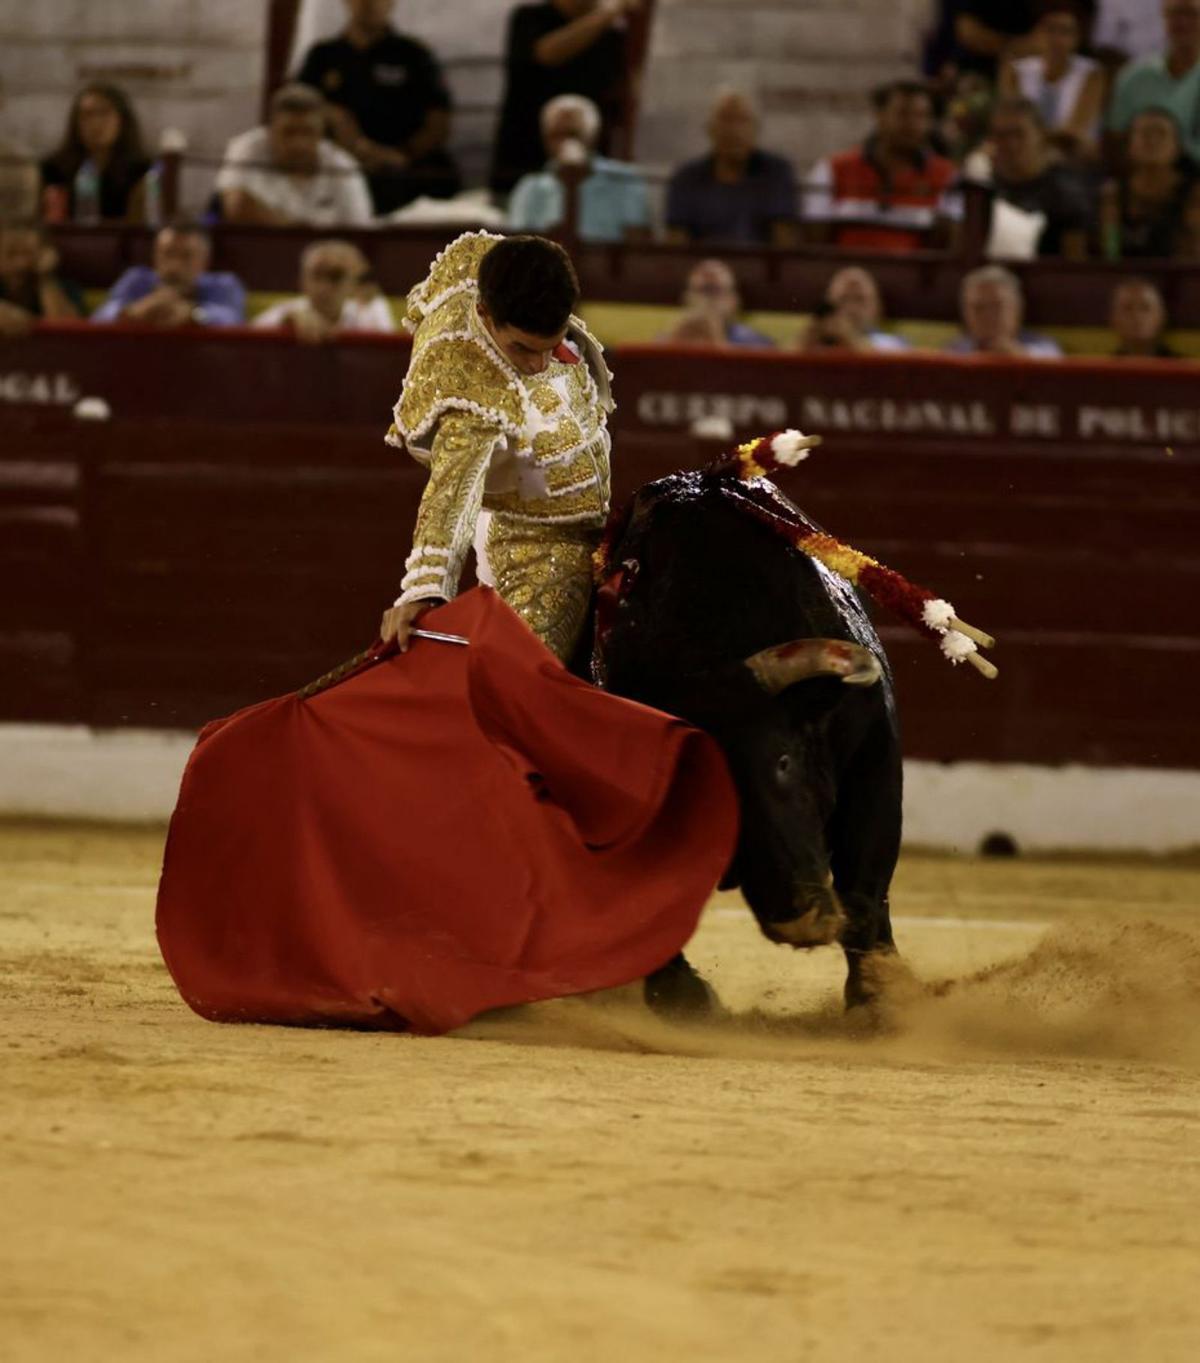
712 584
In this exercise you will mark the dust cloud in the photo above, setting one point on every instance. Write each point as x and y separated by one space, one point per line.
1125 990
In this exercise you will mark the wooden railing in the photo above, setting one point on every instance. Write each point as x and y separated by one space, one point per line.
918 285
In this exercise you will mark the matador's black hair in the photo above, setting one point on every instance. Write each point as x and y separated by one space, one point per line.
529 283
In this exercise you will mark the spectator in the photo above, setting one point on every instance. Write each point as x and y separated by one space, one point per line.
287 173
1154 189
1066 89
103 135
613 202
1025 175
560 47
331 274
737 193
992 306
854 295
30 288
387 104
179 290
1169 81
20 183
712 304
891 193
829 329
1139 317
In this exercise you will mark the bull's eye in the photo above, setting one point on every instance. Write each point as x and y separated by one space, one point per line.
783 769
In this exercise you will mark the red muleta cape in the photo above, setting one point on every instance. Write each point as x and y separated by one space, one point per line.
446 831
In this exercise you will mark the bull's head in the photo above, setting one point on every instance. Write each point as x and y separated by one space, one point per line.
777 751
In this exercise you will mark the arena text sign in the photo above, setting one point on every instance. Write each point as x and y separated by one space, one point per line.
41 390
978 418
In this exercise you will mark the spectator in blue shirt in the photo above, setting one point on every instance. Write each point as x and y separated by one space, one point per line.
613 202
179 291
736 193
992 304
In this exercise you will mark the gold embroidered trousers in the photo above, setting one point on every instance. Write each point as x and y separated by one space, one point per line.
544 572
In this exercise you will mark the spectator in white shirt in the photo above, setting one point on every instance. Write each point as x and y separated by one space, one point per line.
287 173
333 275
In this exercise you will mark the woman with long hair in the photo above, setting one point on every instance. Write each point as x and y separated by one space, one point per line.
103 128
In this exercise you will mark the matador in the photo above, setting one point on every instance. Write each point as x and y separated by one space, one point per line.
506 402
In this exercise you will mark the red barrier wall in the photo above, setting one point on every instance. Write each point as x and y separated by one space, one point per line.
237 525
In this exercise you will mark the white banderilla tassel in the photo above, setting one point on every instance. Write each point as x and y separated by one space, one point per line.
959 649
940 615
791 447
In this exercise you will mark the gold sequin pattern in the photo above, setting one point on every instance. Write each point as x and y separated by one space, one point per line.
588 504
451 502
550 446
544 398
450 370
457 264
545 574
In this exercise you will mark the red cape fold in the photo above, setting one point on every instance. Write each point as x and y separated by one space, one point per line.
445 831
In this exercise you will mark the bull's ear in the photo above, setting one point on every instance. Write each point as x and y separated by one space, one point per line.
784 665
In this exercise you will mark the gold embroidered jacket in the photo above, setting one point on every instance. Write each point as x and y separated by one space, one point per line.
532 448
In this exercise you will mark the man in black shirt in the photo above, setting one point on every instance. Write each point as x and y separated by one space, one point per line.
1024 175
738 192
389 106
560 47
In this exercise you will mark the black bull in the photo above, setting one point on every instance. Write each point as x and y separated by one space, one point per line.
710 614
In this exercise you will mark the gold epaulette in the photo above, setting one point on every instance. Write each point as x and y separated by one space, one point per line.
454 270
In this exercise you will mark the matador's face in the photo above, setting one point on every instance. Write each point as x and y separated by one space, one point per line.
527 353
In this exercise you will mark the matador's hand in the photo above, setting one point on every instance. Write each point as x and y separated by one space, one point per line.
398 621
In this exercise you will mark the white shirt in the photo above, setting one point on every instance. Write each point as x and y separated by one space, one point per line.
1056 101
356 316
336 195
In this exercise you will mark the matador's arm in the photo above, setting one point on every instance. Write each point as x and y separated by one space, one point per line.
461 452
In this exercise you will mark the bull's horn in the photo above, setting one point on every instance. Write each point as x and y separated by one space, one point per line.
775 669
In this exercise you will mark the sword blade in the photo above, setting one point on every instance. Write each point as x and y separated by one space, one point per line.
439 637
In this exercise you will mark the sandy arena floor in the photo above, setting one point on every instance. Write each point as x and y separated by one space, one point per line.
1014 1172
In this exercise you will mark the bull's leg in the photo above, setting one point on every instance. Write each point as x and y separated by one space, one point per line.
675 990
864 842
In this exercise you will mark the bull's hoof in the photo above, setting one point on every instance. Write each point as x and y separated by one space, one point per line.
882 982
677 992
818 927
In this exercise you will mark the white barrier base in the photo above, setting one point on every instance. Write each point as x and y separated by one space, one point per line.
132 775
